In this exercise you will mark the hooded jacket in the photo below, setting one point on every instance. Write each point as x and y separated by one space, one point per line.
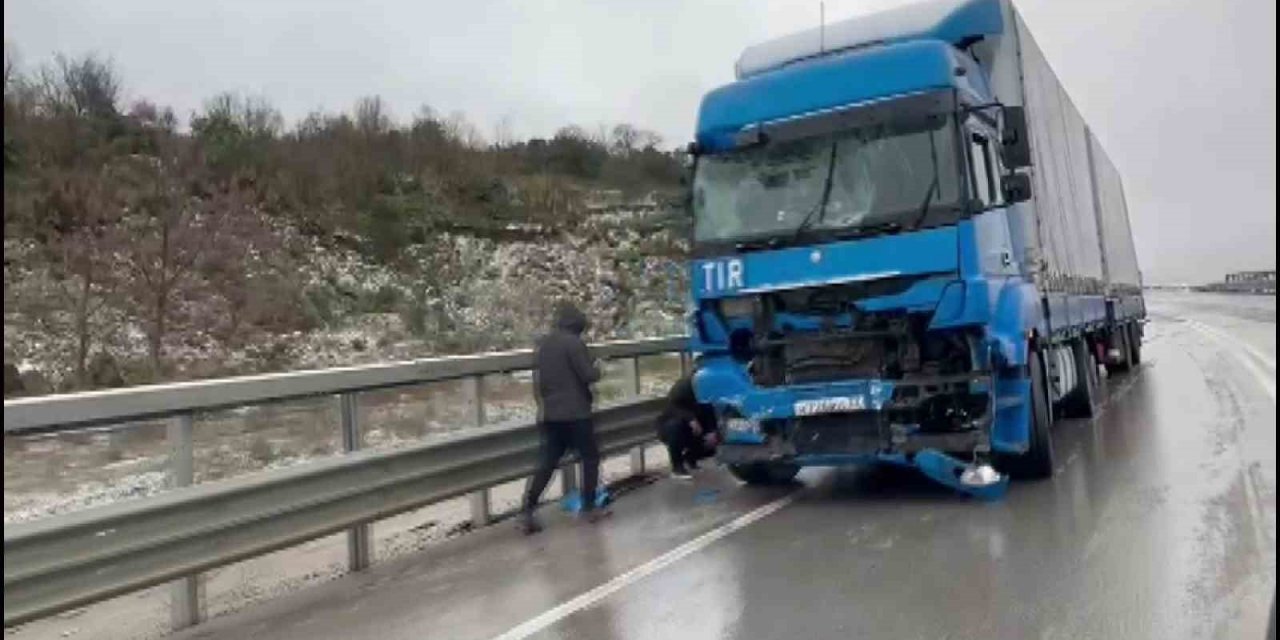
563 371
683 406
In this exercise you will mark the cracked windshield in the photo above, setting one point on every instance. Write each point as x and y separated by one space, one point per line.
848 181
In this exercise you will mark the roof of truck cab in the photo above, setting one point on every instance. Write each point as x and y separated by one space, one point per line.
952 21
835 81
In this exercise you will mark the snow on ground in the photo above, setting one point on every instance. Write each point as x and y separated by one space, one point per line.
463 294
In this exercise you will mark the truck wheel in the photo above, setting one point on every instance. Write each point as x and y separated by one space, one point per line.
1126 353
1037 462
1083 401
1134 336
764 473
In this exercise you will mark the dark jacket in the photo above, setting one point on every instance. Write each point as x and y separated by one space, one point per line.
562 369
683 406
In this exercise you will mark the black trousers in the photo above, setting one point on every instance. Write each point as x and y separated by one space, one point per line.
683 447
557 439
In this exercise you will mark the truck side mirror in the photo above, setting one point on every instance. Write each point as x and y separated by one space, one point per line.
1016 187
1015 144
686 178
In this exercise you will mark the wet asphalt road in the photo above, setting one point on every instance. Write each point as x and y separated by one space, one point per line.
1159 523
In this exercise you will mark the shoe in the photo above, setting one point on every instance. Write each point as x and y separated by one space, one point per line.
596 515
681 474
529 524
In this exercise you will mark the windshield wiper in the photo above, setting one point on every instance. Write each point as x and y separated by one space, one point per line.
755 245
820 208
933 185
928 198
863 231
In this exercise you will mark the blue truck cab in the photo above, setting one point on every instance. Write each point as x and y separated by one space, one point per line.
875 277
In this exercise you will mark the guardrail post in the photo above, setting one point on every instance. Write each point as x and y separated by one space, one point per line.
569 478
475 389
633 377
632 391
358 535
637 461
186 595
480 511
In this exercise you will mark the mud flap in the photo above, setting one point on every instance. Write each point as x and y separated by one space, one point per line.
945 470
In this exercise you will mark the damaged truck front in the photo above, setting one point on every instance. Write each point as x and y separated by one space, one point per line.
874 279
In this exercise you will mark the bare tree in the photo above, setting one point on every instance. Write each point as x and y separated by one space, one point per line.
170 230
242 269
623 140
460 130
12 62
372 118
627 139
84 254
503 137
87 87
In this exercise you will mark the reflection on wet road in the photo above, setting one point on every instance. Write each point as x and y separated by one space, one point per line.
1159 523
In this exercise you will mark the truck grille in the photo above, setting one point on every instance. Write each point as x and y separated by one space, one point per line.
839 433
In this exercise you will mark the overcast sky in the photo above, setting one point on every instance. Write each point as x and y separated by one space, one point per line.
1182 93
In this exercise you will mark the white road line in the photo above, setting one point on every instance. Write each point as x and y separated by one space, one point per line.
1261 536
1255 352
1268 382
588 598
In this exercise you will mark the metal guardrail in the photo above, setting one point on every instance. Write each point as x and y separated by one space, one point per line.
67 561
64 562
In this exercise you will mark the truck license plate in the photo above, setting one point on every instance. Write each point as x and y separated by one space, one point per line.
819 406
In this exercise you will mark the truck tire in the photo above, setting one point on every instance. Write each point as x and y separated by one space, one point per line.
1083 401
1126 353
765 473
1135 344
1037 462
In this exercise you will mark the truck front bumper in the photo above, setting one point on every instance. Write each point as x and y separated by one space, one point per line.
825 423
829 425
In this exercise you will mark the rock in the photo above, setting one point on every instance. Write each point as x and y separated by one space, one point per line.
35 383
104 372
12 380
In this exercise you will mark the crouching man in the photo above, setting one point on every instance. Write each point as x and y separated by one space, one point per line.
688 428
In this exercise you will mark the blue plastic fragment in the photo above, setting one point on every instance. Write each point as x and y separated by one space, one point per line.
706 496
946 470
572 502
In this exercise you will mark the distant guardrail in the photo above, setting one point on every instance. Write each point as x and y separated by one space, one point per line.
71 412
67 561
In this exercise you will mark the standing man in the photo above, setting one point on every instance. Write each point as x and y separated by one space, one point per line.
563 373
687 427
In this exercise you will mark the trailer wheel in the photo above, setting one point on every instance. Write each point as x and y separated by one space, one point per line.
765 473
1083 401
1037 462
1134 336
